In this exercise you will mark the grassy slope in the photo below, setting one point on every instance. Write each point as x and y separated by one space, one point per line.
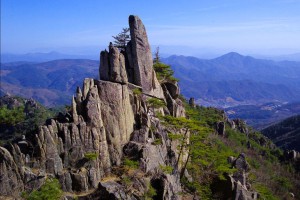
209 153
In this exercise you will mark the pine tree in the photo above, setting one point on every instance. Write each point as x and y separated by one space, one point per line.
122 39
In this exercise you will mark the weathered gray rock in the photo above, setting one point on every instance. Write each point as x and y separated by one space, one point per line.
51 159
80 180
175 106
220 127
141 58
104 69
173 89
172 187
117 115
10 175
231 159
108 190
242 167
117 65
291 155
241 126
141 54
231 123
66 182
192 102
33 180
240 193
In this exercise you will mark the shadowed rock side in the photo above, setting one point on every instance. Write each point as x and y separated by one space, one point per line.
107 119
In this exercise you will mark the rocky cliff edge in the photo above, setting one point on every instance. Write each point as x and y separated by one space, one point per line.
109 122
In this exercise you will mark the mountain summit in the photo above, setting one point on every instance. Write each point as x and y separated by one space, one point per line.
231 56
110 120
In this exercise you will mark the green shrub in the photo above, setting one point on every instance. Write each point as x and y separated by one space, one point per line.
254 163
137 91
265 192
51 190
164 73
131 164
174 136
126 180
150 193
166 169
156 103
283 182
157 141
91 156
11 116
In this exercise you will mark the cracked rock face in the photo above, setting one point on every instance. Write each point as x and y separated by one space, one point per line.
10 174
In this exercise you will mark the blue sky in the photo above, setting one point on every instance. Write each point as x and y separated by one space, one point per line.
194 27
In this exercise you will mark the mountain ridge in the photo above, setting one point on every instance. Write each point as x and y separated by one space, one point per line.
193 71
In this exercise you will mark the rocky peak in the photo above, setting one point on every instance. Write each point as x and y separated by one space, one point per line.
138 69
109 121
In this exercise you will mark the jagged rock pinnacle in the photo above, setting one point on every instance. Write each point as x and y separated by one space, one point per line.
139 68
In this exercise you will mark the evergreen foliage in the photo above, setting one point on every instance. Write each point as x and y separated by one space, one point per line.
150 193
91 156
11 116
137 91
156 103
166 169
122 39
131 164
51 190
22 119
164 73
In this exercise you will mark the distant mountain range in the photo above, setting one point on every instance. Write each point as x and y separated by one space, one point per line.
285 134
226 81
41 57
233 79
51 83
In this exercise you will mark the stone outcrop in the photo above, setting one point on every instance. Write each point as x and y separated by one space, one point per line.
109 121
140 57
236 185
241 126
138 69
220 128
192 102
291 155
112 65
239 179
